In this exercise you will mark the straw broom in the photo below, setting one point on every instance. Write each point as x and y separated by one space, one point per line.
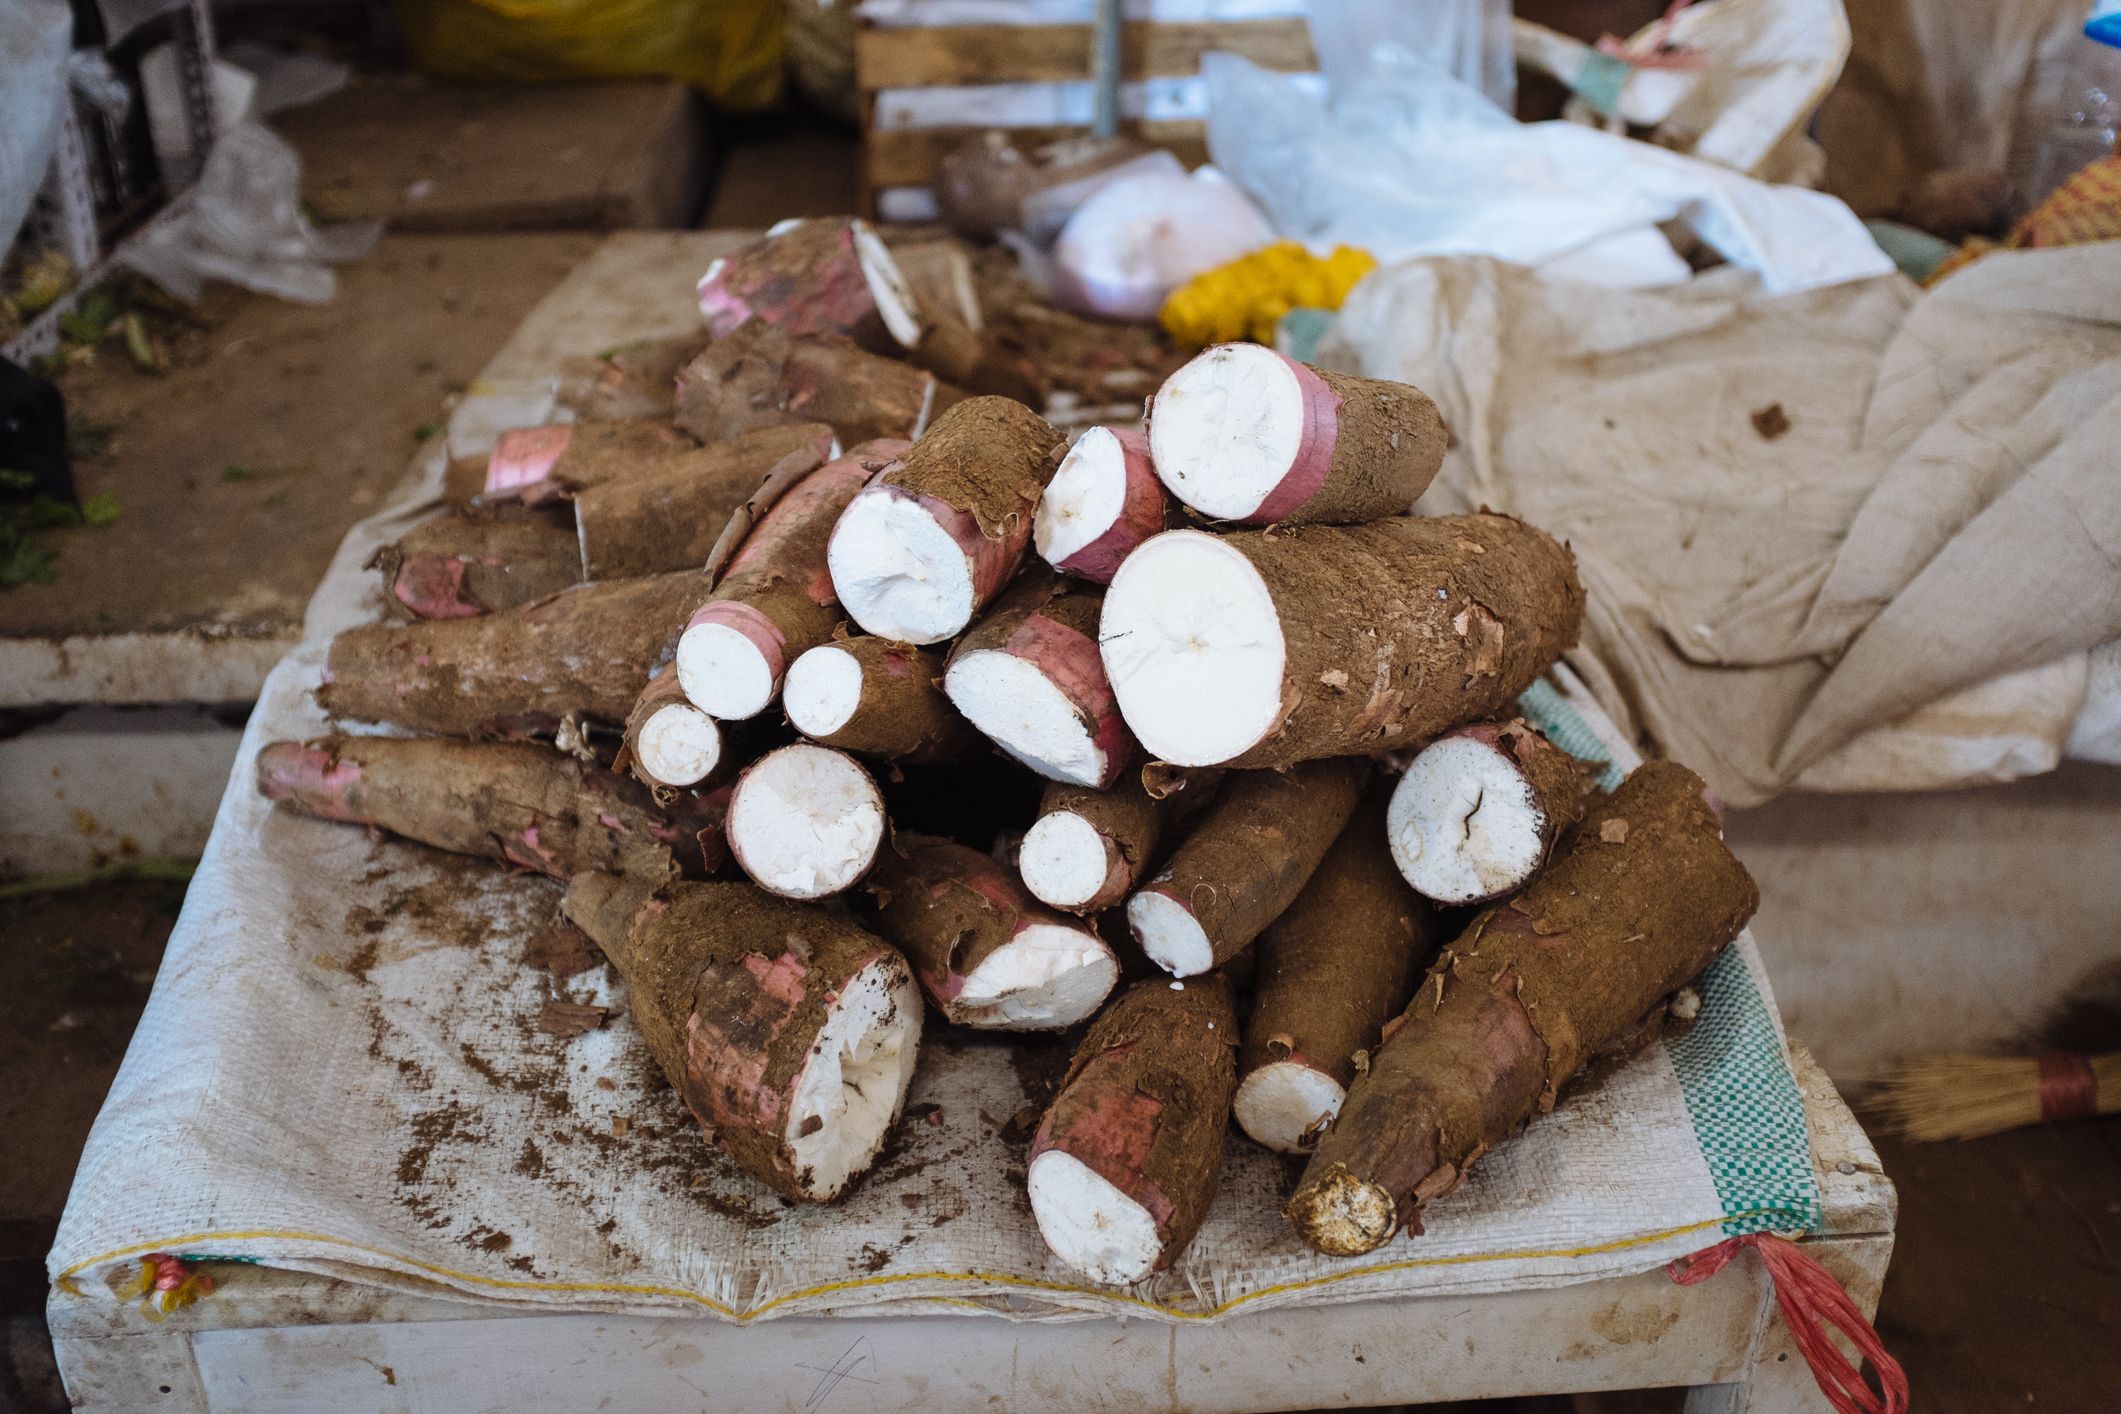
1966 1097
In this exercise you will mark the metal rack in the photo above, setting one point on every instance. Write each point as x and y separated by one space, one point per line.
94 190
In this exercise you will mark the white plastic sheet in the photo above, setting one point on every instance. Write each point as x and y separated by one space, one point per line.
1407 161
34 35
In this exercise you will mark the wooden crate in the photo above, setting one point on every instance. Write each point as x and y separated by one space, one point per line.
934 72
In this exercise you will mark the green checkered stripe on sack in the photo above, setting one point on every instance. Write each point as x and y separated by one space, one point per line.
1733 1067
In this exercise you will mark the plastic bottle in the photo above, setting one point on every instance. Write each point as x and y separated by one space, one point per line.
2083 113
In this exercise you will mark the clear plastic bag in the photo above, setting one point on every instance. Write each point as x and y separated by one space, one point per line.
1468 39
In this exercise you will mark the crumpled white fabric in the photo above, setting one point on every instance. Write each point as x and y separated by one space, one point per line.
1895 590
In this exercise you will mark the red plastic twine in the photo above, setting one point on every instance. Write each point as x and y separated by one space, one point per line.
1811 1300
2068 1089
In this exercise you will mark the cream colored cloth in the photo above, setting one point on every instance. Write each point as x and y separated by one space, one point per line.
1860 538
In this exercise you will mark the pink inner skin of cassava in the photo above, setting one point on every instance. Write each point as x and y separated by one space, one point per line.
757 629
525 456
833 303
1141 514
1314 453
309 775
724 1062
1072 663
430 586
1113 1139
994 562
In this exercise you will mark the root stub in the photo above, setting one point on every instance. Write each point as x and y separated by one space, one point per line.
1261 650
1243 433
1333 969
1126 1160
985 954
524 805
1478 811
1640 897
790 1033
579 653
805 821
1245 862
1030 677
933 539
1103 502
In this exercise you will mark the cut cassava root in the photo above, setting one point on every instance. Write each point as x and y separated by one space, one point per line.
1030 677
812 276
1264 648
458 565
1247 859
577 654
666 517
1243 433
669 742
805 821
776 602
1089 848
1479 809
1103 502
515 802
985 953
1641 896
932 540
878 698
1332 970
1126 1161
790 1033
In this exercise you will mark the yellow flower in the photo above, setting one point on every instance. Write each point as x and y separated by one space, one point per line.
1246 298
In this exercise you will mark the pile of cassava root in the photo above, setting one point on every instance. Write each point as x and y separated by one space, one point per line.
1194 735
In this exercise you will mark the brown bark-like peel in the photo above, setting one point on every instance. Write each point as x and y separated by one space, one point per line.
1642 895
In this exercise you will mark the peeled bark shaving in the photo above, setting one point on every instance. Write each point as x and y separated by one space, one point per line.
1126 1162
985 952
935 538
519 803
1641 896
1245 434
788 1032
1246 860
1030 677
1265 648
1479 810
578 654
877 698
776 602
1332 971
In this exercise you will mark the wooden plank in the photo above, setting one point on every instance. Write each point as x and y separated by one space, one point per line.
909 157
980 54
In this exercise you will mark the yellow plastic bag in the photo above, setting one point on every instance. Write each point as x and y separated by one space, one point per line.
1246 298
728 49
